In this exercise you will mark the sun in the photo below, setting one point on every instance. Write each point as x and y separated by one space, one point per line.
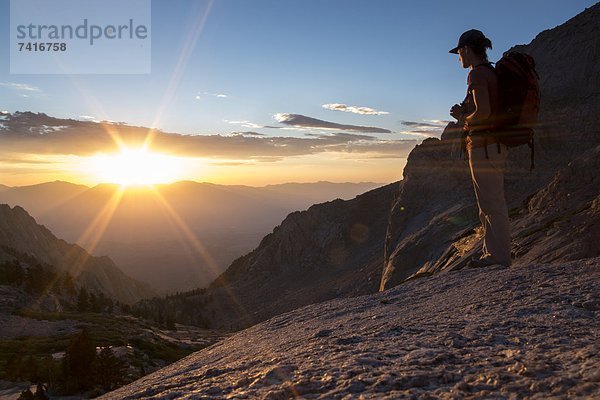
132 167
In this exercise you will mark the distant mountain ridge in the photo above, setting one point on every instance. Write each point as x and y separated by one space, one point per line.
19 231
149 229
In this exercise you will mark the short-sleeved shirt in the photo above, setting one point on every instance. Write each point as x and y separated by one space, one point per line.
479 76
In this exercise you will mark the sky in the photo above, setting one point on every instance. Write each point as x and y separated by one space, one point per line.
374 77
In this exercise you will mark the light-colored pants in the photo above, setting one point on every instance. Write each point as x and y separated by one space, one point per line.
488 182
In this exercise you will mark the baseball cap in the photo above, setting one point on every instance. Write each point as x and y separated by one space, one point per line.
469 37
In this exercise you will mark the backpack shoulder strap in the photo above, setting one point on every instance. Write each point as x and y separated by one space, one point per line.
488 65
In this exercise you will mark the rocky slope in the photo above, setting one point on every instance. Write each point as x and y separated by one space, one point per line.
332 249
19 231
521 332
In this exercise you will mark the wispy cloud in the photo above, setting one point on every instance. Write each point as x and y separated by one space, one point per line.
430 128
353 109
245 124
199 96
19 160
21 87
250 124
418 125
303 121
341 137
88 118
248 133
438 121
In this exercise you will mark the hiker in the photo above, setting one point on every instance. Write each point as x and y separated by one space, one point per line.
487 156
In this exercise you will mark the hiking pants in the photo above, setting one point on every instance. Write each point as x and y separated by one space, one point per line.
488 181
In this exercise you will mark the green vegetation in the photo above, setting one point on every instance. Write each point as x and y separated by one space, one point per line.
187 308
106 344
81 368
88 361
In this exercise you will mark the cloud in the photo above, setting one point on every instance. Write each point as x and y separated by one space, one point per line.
340 137
21 87
248 133
249 124
431 128
418 125
245 124
88 118
353 109
229 163
438 121
218 95
85 138
302 121
18 160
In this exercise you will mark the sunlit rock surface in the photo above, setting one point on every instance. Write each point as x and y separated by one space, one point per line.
523 332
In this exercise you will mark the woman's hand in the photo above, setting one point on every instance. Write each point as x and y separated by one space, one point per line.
456 111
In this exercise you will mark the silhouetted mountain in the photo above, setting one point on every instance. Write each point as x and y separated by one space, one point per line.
314 255
19 231
177 236
43 197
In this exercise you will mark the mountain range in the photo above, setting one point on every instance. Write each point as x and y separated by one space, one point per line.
21 233
197 229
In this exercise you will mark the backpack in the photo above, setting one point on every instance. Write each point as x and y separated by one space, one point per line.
519 100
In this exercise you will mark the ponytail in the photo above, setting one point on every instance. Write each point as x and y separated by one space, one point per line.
480 46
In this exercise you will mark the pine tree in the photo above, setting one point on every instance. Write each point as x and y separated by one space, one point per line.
110 369
79 361
68 285
83 301
14 367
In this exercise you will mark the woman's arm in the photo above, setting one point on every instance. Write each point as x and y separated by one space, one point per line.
481 98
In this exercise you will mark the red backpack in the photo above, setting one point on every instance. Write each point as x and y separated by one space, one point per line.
519 100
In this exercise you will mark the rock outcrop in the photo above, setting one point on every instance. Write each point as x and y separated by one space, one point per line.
19 231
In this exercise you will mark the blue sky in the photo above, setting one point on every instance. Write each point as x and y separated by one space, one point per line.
218 63
283 56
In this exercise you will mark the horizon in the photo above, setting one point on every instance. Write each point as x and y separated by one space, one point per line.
238 93
138 186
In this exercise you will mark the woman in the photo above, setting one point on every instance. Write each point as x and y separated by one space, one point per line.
487 157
